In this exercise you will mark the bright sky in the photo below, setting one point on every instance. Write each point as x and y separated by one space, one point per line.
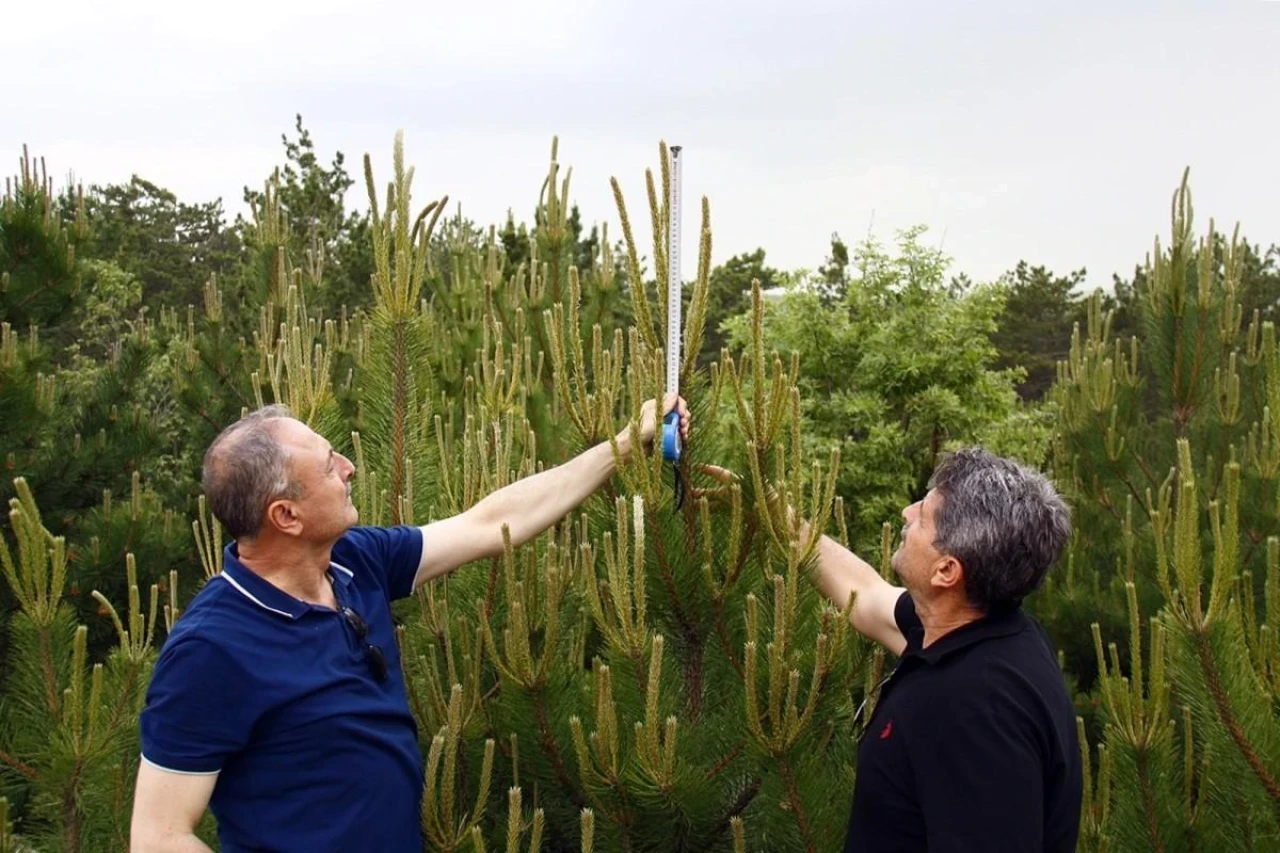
1012 129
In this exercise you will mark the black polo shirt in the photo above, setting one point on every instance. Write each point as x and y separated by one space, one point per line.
972 746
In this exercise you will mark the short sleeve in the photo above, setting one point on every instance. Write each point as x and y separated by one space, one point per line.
395 553
199 709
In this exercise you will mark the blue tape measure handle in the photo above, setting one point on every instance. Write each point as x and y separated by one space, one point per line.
671 437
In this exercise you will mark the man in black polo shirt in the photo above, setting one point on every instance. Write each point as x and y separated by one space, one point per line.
972 745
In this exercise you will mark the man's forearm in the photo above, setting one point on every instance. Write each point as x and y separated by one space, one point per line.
531 505
839 572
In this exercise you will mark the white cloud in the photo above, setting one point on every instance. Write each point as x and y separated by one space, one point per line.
1013 130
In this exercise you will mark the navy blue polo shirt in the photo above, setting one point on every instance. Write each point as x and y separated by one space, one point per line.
277 697
972 746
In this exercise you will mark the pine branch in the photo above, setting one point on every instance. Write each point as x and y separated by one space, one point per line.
723 635
1222 704
736 808
797 807
1148 802
25 769
725 761
673 596
548 743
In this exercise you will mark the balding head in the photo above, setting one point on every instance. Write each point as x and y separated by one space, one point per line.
245 469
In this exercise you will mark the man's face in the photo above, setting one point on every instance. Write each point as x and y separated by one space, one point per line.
916 558
324 477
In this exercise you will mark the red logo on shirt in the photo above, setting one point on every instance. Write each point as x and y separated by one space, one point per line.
888 730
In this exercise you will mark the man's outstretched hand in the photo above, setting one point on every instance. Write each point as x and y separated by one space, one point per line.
727 479
649 419
724 476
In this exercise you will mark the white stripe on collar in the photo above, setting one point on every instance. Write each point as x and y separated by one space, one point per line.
250 595
258 601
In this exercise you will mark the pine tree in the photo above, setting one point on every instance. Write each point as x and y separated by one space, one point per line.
642 676
311 200
39 282
80 425
1166 444
78 428
68 740
649 674
896 366
38 287
1034 327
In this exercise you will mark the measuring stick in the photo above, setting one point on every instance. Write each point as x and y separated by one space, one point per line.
671 423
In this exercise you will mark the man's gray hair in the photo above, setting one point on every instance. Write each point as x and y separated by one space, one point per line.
1004 522
245 469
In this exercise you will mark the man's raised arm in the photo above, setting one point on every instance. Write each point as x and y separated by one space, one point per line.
840 572
530 505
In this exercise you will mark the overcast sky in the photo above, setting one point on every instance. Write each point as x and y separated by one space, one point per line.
1012 130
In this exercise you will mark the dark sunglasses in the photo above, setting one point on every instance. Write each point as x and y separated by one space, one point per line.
372 654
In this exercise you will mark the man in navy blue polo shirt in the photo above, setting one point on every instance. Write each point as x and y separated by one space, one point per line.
278 701
972 745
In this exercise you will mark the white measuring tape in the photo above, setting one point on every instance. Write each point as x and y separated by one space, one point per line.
671 423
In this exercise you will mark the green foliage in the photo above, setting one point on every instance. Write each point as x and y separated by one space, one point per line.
69 730
894 368
111 296
1257 290
83 423
1164 444
1195 370
171 248
38 275
77 422
27 397
643 676
729 295
395 414
1260 281
1034 327
834 273
312 199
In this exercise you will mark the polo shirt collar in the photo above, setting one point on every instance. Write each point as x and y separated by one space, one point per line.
266 594
986 628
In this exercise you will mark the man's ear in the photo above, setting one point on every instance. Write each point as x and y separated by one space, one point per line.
948 573
283 516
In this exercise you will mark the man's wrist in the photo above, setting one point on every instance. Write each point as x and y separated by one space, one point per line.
623 440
